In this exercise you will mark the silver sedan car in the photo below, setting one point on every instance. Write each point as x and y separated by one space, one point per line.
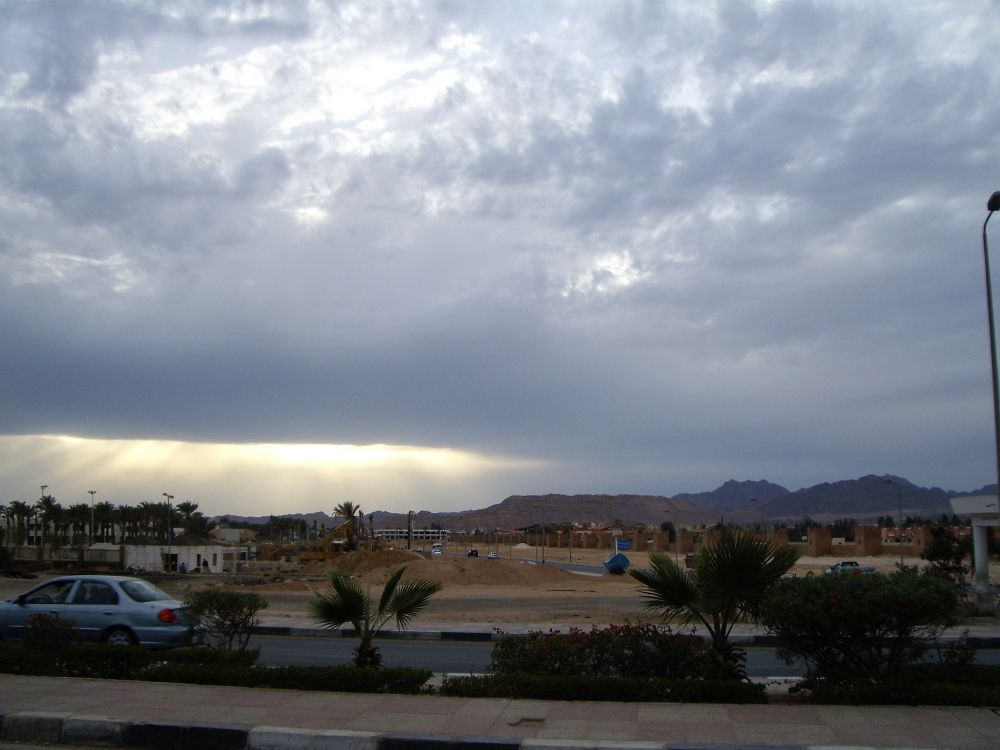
119 610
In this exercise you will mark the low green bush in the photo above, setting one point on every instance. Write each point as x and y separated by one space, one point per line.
987 675
629 650
206 655
577 688
80 660
905 693
228 617
858 628
334 679
106 662
17 660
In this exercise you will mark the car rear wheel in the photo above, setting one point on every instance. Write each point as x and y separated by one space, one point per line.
120 637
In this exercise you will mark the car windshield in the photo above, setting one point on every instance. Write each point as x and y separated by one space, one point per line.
143 591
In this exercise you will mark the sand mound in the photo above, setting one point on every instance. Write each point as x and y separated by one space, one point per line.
360 563
449 571
375 568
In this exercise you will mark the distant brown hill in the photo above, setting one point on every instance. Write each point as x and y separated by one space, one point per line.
863 499
519 511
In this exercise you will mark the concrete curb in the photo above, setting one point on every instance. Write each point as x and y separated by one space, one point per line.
65 729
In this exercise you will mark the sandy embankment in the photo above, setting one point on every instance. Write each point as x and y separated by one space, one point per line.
475 591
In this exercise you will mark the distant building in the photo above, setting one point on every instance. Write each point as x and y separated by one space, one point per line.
434 535
233 536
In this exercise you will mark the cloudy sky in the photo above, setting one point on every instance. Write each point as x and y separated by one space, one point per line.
268 257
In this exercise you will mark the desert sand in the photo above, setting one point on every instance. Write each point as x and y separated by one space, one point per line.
510 592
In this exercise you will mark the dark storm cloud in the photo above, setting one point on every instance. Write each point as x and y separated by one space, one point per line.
656 245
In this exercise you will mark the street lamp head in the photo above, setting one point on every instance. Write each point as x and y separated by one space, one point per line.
993 204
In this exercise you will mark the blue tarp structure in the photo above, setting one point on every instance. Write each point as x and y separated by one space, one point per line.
617 563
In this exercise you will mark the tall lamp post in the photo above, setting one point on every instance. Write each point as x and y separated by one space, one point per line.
993 204
899 496
541 509
677 537
91 493
170 530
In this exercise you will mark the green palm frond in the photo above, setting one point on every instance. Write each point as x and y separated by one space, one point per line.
728 583
667 588
410 599
734 574
389 590
344 601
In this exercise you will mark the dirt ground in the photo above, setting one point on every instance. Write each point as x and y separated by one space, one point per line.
475 591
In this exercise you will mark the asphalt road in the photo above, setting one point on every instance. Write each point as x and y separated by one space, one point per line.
460 656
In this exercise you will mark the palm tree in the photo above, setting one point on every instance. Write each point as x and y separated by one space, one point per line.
128 521
345 601
726 586
349 512
78 518
150 522
104 513
19 511
51 514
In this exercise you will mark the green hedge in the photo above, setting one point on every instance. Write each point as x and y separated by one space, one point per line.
85 660
923 684
206 655
905 693
987 675
629 650
335 679
576 688
16 660
201 666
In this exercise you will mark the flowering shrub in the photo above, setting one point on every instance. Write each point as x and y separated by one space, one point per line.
616 651
858 628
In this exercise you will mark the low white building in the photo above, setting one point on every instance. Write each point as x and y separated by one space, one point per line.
158 558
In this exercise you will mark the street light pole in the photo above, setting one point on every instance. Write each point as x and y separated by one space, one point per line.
541 509
899 495
677 537
993 204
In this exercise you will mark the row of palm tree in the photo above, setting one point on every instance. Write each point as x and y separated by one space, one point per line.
102 522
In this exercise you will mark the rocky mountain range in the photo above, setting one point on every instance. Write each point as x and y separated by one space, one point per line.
863 499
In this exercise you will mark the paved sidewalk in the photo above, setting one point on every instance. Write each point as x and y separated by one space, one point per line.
159 715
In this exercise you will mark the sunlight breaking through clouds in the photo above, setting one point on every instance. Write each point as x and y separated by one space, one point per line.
256 477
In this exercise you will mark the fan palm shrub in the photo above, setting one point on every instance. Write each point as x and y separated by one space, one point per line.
346 601
727 585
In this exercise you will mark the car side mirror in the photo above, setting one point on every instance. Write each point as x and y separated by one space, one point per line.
20 601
